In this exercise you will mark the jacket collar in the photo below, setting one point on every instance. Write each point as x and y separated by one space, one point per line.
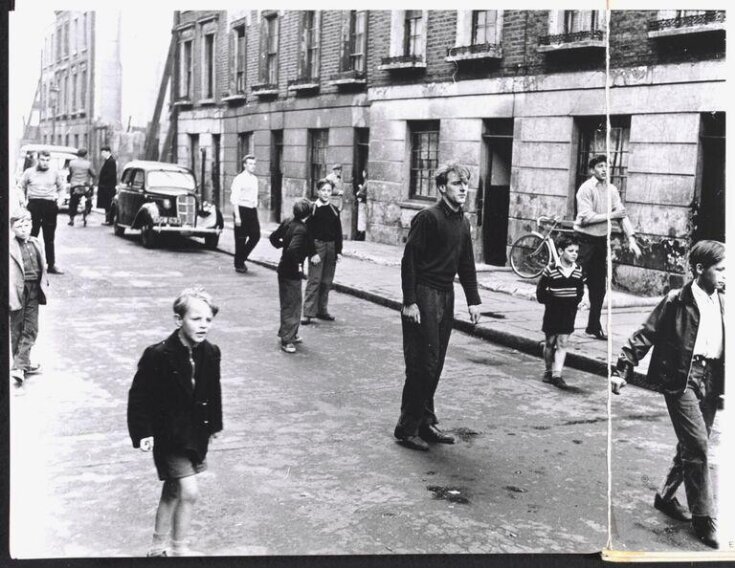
178 356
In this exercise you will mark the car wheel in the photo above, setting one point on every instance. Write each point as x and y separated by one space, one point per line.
148 237
116 228
211 242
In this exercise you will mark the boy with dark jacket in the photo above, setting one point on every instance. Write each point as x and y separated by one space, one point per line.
687 333
293 236
174 407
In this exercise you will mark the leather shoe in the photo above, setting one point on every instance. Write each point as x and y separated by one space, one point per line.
597 334
18 376
288 347
33 369
672 508
433 434
558 382
55 270
414 443
306 320
706 530
325 317
241 269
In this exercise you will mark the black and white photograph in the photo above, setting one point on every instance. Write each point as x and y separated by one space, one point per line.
374 281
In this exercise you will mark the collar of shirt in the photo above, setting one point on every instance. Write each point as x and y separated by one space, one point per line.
701 296
448 211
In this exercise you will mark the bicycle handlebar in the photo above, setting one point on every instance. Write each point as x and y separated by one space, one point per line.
545 219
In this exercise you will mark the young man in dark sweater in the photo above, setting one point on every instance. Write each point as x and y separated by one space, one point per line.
325 229
439 246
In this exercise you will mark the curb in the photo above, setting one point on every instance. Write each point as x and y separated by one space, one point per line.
521 343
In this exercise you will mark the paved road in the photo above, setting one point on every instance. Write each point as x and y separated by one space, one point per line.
307 464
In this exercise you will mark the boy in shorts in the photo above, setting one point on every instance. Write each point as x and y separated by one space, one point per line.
174 408
560 289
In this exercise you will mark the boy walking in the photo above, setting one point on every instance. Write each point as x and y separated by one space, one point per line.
174 407
560 289
687 332
325 228
26 291
293 236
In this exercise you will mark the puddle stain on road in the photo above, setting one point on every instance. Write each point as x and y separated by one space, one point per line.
451 494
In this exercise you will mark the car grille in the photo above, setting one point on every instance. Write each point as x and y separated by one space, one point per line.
186 207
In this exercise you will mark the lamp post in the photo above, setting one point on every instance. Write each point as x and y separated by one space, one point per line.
54 98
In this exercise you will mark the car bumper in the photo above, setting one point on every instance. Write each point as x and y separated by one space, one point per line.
186 231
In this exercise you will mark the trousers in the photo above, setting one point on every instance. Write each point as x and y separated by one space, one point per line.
289 292
247 235
43 216
692 415
24 326
320 279
424 350
593 259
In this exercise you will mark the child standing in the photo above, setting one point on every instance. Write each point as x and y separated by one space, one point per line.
293 236
26 291
174 407
560 289
326 230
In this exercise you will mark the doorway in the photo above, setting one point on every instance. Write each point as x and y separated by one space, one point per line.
709 217
276 172
495 188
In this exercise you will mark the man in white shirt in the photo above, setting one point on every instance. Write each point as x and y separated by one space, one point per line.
590 228
687 333
244 199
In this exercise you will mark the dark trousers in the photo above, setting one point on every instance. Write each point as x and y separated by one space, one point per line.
320 279
24 327
289 292
593 259
247 235
424 350
692 414
76 197
43 216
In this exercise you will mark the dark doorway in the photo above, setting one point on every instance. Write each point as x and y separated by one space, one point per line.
359 178
709 218
276 174
495 188
216 184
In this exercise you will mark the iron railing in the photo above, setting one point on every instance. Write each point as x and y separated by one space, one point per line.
483 48
401 59
572 38
709 17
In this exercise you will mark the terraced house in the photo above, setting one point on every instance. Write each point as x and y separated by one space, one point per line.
517 96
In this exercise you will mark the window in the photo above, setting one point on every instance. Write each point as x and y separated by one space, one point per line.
270 68
309 48
65 95
193 152
244 147
592 141
424 137
564 22
413 33
185 73
358 40
66 39
84 31
74 105
208 67
74 32
59 38
83 90
240 59
138 178
318 140
76 141
484 26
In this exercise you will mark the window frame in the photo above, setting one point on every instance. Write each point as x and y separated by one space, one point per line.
318 145
208 65
186 71
421 184
357 47
239 59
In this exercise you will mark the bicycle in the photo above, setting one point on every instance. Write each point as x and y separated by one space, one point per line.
82 201
533 252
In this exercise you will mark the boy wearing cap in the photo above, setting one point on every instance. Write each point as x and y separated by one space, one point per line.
27 290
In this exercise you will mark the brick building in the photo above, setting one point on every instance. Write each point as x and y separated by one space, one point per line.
518 96
79 94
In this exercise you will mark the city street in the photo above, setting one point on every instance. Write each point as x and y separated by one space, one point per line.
307 463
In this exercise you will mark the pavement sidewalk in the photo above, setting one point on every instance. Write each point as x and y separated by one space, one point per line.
511 315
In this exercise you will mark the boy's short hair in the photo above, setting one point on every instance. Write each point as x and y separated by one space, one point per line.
441 175
597 160
18 214
44 153
181 304
322 182
707 253
301 208
565 240
106 149
81 152
247 157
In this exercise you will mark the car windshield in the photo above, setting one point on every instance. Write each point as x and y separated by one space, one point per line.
161 178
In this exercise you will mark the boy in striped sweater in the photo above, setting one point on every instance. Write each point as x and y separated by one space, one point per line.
560 289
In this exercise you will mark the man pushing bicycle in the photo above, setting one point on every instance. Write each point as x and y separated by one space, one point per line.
81 182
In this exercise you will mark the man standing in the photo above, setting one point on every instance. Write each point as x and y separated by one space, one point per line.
439 246
338 191
43 186
81 177
244 199
107 183
687 333
590 227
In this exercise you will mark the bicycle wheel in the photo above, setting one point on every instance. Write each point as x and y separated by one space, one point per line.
529 255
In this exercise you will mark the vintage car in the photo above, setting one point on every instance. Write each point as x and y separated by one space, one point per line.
156 198
60 158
